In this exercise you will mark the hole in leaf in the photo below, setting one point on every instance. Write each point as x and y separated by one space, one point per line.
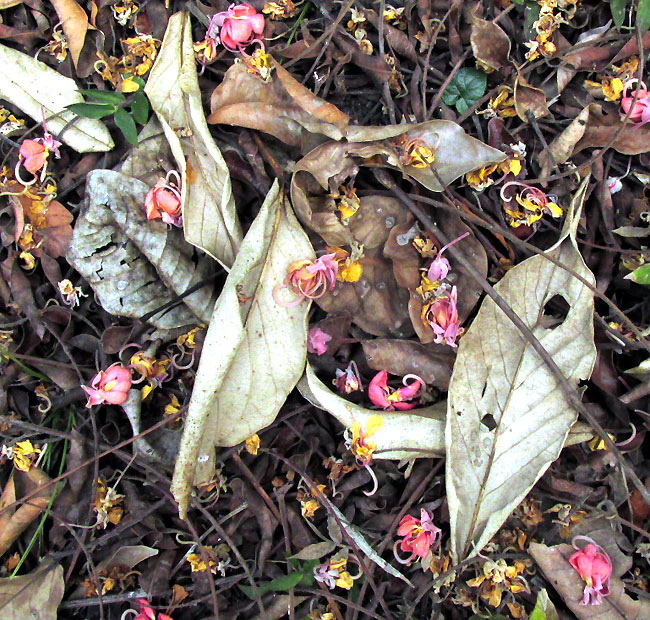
483 390
489 422
555 312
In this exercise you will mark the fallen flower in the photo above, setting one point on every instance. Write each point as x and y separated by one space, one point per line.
348 380
33 155
439 268
356 439
24 454
70 293
240 26
639 110
333 573
110 387
252 444
317 341
146 612
442 316
535 203
164 200
595 568
420 535
309 280
388 399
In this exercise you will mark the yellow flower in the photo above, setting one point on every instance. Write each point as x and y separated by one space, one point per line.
25 454
599 444
356 438
129 85
280 9
123 11
345 581
253 444
188 340
308 508
350 269
107 505
258 64
347 203
197 563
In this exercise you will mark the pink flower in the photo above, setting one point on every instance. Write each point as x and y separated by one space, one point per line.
164 200
240 26
420 535
442 316
309 280
317 341
388 399
595 568
33 154
440 267
640 110
147 612
348 380
614 184
110 387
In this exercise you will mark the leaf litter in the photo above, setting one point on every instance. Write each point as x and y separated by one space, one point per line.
157 309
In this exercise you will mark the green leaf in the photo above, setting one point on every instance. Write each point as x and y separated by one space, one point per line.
92 110
104 96
125 123
531 16
140 108
281 584
544 608
643 16
467 87
139 81
617 8
641 275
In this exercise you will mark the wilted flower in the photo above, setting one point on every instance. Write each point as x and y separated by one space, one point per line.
317 341
595 568
110 387
639 110
240 26
442 316
33 155
356 439
420 535
164 200
348 380
350 269
147 612
70 293
24 454
309 279
389 399
334 573
252 444
205 51
535 203
439 268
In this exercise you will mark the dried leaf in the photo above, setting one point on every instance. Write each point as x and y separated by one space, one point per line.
605 123
136 265
418 433
32 86
529 99
254 351
490 45
554 562
74 22
632 231
15 519
210 220
127 556
36 595
282 107
507 416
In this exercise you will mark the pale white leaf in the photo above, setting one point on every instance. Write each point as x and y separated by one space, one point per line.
507 416
210 220
35 88
254 351
404 435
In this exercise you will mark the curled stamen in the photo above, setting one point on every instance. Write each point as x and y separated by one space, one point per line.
175 363
397 556
375 482
622 444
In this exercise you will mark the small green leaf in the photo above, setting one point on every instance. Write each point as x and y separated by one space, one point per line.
92 110
641 275
139 81
125 123
140 108
105 96
281 584
467 87
544 608
643 16
618 11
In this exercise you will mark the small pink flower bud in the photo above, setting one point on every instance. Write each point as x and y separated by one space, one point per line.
442 316
595 568
164 200
317 341
240 26
440 267
639 110
110 387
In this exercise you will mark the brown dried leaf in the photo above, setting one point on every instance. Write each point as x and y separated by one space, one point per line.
210 220
127 556
15 519
490 44
136 265
604 123
36 595
529 99
406 259
282 107
554 562
432 363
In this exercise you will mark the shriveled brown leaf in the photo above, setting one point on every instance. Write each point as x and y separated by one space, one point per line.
377 304
490 45
554 562
604 123
432 363
136 265
529 99
36 595
127 556
282 107
21 292
16 518
210 220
